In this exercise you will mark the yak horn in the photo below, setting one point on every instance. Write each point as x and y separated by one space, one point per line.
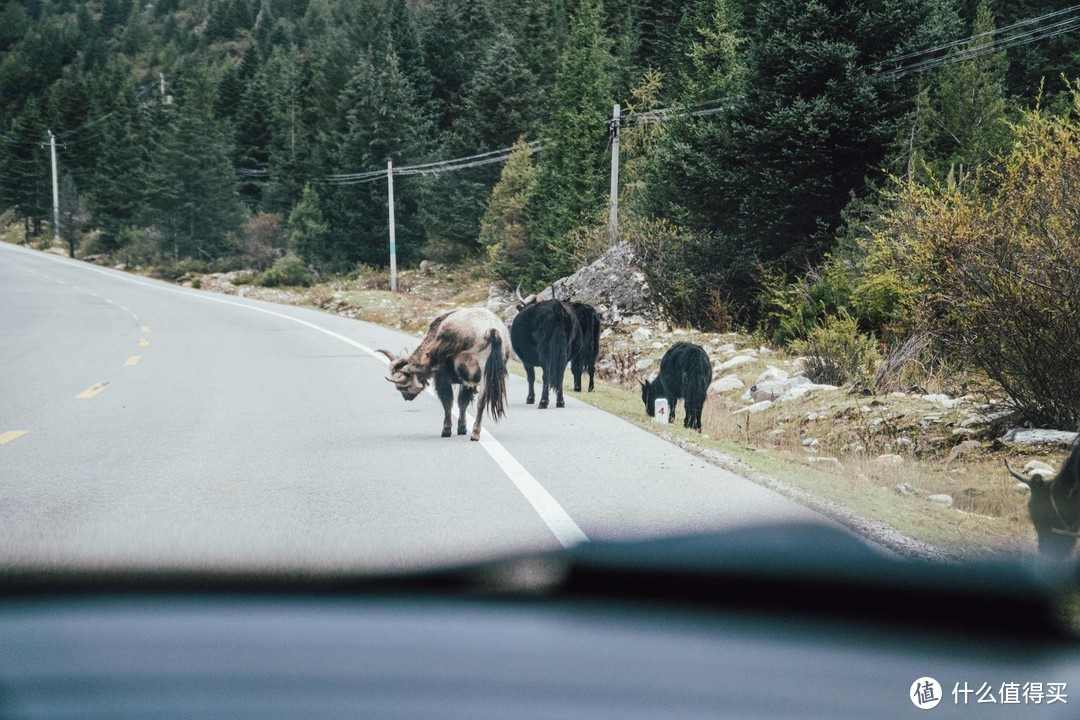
389 355
1018 476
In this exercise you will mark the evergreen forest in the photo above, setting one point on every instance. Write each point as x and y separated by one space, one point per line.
821 171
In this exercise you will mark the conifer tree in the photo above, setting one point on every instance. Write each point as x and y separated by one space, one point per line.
572 178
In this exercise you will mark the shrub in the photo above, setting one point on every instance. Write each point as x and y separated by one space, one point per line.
696 278
261 240
837 352
993 263
289 270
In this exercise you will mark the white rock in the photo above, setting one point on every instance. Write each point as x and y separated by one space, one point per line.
784 390
964 448
811 442
605 334
748 352
642 335
826 460
771 374
904 489
941 499
755 408
726 384
1022 488
889 459
678 331
1033 437
942 399
1040 467
734 363
726 348
643 364
657 346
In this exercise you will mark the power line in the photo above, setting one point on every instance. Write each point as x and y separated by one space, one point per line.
968 40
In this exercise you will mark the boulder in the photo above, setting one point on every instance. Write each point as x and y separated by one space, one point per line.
1039 467
889 459
642 335
941 499
1024 436
734 363
964 448
755 408
771 374
726 384
615 286
783 390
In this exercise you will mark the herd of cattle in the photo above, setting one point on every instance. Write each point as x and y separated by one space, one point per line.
471 348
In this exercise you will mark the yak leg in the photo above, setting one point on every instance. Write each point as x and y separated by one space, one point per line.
530 375
672 402
544 391
480 402
576 368
560 374
464 397
592 372
445 390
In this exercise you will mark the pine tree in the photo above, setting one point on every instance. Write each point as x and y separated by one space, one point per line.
572 179
504 231
499 105
197 203
816 119
960 120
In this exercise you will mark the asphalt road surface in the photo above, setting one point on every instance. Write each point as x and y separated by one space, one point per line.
146 425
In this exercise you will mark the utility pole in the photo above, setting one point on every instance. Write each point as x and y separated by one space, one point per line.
55 190
613 219
393 240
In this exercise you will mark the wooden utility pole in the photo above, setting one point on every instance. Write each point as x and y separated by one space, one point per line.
393 240
613 218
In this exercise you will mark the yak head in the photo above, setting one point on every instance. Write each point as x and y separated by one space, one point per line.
1054 506
649 392
409 379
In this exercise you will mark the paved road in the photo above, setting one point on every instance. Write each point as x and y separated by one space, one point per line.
143 424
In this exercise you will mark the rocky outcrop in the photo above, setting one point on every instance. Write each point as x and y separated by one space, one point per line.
616 287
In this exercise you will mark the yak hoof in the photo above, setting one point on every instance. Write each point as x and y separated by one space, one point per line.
530 400
560 403
446 433
461 431
475 437
543 405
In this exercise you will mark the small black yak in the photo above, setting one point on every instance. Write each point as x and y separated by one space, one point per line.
685 372
1055 505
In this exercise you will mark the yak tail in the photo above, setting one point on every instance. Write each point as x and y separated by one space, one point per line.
495 376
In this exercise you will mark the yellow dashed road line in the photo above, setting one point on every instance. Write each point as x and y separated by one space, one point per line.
144 341
133 360
145 328
91 391
10 435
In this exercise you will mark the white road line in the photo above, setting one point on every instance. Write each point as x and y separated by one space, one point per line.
560 523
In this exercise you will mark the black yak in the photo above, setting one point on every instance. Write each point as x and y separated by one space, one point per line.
546 335
685 372
1054 505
